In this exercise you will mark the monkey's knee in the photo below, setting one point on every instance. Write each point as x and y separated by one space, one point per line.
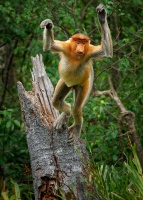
56 103
61 106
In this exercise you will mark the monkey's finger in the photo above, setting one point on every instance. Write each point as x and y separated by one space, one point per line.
100 8
47 22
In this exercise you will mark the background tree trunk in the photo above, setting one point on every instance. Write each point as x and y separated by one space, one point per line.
57 168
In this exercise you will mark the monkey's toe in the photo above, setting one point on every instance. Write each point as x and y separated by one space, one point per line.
57 124
74 134
71 141
62 120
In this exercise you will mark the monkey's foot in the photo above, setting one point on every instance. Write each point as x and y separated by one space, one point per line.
62 120
74 134
101 13
48 23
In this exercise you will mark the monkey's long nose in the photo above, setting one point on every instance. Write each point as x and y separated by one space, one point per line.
80 50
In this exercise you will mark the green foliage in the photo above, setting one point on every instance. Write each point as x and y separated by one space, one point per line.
102 131
13 151
14 194
21 37
111 184
10 128
136 177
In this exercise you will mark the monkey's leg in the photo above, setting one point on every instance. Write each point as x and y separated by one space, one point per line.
61 91
81 95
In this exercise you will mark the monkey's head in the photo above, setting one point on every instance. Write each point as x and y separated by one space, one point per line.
79 44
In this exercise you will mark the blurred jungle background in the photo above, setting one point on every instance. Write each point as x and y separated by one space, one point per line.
115 170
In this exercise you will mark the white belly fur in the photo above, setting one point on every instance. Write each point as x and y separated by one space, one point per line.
70 76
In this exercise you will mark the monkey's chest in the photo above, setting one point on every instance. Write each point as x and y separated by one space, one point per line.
73 74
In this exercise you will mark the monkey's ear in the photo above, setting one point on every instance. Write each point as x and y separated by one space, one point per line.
46 23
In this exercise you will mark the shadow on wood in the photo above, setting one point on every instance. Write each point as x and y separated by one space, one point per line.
57 168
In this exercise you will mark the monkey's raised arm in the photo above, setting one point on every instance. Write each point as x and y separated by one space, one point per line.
106 47
48 37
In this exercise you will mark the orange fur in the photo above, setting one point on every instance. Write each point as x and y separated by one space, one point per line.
75 70
80 36
69 66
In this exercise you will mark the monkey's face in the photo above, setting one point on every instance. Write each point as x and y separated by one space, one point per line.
79 45
80 48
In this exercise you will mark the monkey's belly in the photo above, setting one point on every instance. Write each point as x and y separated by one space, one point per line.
74 74
70 82
73 79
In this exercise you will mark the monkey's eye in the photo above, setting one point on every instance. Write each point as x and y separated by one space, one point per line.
78 42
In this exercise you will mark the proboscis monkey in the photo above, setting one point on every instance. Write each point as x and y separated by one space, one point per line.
75 69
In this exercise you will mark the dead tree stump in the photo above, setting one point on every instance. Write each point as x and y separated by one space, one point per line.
57 168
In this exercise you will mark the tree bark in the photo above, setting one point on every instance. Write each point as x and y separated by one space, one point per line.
57 168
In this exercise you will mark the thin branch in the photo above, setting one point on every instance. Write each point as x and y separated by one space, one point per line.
127 118
26 48
3 44
72 10
107 111
127 44
85 8
62 27
6 74
115 97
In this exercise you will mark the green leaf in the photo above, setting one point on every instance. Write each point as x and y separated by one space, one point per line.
12 197
124 64
119 197
8 124
115 157
17 190
17 123
136 161
4 195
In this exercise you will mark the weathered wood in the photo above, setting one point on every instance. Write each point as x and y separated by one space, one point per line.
57 168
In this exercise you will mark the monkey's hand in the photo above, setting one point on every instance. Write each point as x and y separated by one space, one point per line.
74 134
61 120
102 14
47 23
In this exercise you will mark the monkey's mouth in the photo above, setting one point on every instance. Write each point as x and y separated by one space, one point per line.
80 53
